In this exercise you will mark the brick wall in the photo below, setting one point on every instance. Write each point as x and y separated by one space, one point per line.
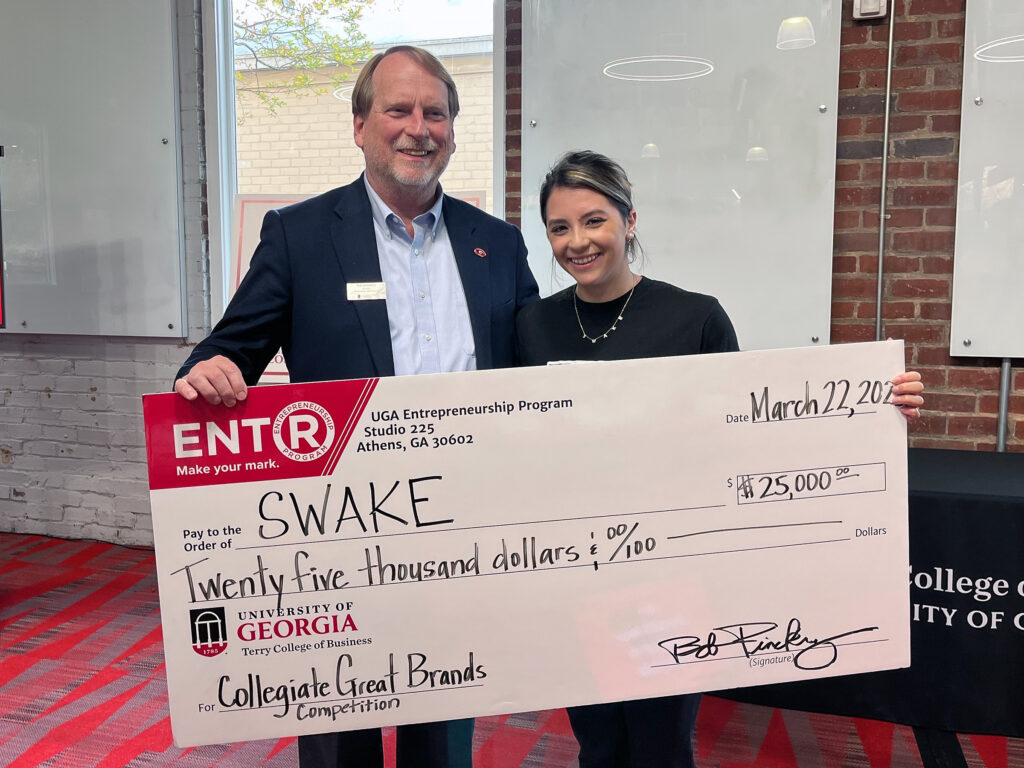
307 147
513 109
921 200
72 456
924 131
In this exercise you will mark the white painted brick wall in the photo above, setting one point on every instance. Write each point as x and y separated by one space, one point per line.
72 452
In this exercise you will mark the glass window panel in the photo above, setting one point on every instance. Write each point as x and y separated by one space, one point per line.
294 115
988 268
724 116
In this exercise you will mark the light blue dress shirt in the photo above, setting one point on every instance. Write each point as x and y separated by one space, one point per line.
427 311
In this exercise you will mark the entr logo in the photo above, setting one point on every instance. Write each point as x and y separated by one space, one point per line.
308 429
209 631
302 431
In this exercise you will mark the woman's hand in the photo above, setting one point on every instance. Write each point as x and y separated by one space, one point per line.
906 391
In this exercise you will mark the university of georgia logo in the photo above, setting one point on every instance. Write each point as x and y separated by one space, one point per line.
303 431
209 631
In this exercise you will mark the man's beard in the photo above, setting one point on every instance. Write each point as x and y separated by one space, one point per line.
425 176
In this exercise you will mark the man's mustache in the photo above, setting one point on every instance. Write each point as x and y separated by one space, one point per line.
427 145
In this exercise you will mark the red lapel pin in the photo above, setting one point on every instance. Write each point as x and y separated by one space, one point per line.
480 252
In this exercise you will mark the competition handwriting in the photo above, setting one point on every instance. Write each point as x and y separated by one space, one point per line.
752 638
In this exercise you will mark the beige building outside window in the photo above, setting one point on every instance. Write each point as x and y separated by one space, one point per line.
307 146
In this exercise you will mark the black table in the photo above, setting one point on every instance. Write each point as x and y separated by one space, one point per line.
967 650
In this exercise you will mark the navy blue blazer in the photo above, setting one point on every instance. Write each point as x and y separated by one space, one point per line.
294 294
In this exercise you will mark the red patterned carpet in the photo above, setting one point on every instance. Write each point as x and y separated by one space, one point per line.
82 684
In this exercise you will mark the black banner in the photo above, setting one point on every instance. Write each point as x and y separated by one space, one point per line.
967 609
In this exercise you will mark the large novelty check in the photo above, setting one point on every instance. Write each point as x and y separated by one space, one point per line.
351 554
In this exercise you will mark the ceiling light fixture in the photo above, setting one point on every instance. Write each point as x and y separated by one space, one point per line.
982 54
796 32
638 68
650 150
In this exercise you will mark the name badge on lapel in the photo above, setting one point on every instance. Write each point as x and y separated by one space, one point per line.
365 291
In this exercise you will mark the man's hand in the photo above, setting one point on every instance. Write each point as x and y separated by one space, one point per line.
217 380
906 390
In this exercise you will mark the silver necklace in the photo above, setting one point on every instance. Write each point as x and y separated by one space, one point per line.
595 339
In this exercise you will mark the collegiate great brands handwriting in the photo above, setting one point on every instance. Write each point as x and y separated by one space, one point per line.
320 695
363 553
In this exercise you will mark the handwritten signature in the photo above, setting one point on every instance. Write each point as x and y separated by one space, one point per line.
753 638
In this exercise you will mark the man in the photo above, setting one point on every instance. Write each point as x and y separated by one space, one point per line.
385 276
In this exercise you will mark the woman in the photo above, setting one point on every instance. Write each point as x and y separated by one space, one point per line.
612 313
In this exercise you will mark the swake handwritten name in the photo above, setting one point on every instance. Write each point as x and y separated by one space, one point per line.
753 638
315 522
